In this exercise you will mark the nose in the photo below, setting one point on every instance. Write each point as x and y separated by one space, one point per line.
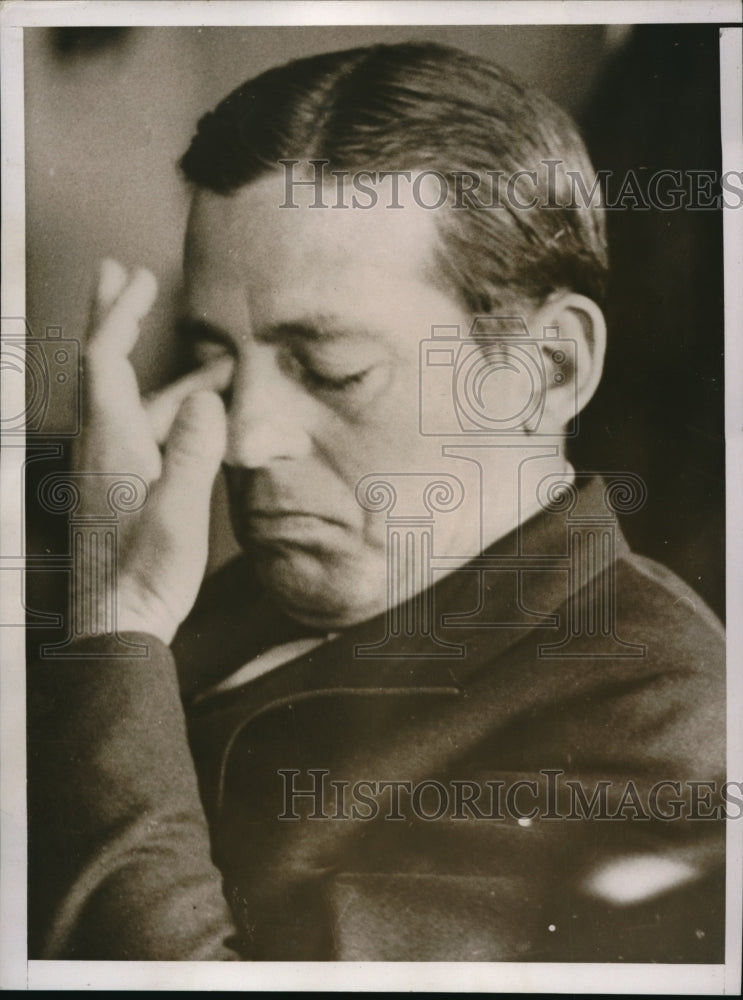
267 418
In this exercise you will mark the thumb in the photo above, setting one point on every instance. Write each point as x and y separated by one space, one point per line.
165 565
194 451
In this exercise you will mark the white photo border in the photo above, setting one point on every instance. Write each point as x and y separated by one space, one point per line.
16 972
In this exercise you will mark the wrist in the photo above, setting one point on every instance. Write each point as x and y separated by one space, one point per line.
145 612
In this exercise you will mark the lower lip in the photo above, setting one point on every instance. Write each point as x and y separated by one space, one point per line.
288 526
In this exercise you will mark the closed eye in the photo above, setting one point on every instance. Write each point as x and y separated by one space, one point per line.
336 383
205 342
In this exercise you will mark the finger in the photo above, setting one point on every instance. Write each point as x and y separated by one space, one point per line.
117 332
112 279
193 455
166 562
163 406
112 400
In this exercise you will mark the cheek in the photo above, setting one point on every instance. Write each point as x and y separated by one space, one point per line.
375 534
371 441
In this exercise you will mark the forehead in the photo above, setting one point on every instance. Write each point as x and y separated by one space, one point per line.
249 239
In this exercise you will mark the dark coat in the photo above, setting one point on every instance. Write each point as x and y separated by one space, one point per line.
134 853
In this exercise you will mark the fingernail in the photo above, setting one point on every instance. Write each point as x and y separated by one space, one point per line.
220 370
111 281
146 284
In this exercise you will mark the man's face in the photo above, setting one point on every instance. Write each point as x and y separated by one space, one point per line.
323 311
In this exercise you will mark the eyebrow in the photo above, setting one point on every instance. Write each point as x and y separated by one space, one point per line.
317 328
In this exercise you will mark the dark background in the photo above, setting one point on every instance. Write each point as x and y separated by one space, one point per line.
108 112
659 410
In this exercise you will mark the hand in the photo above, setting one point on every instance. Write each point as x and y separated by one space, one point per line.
163 546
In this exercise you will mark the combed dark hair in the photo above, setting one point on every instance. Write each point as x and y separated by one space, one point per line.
422 106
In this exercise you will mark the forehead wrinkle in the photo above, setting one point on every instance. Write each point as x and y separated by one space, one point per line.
318 327
335 264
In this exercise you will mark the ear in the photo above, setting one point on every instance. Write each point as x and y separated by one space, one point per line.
571 332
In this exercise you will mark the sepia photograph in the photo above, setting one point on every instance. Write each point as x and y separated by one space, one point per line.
371 460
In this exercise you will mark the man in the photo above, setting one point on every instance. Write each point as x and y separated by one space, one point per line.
439 711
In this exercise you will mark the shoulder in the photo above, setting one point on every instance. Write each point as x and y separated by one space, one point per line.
654 689
665 614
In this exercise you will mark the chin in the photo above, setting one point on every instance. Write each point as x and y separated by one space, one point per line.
327 594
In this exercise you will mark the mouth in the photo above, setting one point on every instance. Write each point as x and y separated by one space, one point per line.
288 525
288 512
